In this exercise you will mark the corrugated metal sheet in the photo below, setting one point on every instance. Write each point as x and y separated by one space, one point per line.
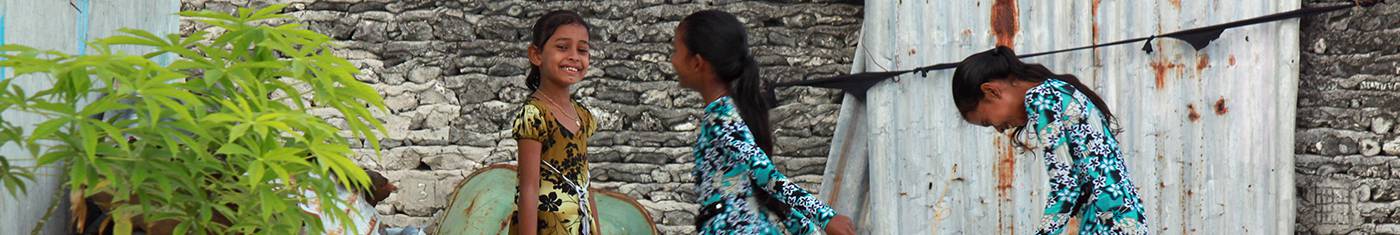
67 26
1207 134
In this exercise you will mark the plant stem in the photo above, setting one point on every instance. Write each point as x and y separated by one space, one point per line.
43 221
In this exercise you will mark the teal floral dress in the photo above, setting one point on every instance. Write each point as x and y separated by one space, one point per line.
739 190
1088 178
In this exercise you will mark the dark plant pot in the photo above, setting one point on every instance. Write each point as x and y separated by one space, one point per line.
103 200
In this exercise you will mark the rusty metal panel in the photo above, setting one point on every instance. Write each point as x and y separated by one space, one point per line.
1207 134
66 26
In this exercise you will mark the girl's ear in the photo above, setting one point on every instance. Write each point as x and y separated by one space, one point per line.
990 90
535 57
699 64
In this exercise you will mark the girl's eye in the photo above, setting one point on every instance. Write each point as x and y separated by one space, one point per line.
562 47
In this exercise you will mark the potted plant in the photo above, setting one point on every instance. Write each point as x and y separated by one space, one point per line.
221 140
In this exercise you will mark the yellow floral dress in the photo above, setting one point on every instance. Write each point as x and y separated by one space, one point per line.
563 206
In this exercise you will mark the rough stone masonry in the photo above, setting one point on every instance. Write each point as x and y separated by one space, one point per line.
452 71
1347 141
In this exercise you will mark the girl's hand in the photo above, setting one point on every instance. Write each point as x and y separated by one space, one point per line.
1073 226
840 225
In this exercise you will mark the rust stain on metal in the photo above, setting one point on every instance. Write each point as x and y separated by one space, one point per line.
373 223
1220 108
1160 69
967 32
841 165
1094 17
1202 61
505 224
1012 227
1005 22
1006 169
1232 60
1191 113
1176 4
354 197
1094 37
469 208
1006 175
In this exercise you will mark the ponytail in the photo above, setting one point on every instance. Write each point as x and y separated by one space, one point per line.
747 91
1036 69
722 40
532 79
1001 63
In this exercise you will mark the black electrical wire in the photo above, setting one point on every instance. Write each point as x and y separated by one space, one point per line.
857 84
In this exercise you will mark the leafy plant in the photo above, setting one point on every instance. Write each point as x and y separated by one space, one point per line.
219 141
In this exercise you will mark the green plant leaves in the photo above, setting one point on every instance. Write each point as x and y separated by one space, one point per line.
223 131
46 129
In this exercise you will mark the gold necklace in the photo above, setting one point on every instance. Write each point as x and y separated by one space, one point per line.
576 120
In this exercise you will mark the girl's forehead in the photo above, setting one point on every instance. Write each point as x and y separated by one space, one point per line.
570 31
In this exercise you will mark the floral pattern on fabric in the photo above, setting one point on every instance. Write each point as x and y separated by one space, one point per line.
728 166
1088 178
563 207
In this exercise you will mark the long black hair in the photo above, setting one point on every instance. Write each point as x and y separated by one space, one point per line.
1001 63
723 41
543 30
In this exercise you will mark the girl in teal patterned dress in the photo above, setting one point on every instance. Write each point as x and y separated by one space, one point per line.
738 187
1069 127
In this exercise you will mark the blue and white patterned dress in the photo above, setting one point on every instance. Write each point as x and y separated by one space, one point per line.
1088 178
728 164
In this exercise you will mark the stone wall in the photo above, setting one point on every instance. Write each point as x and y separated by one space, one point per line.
452 75
1347 143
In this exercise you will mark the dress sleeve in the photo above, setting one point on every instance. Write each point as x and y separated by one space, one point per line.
592 124
802 205
1050 115
529 124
